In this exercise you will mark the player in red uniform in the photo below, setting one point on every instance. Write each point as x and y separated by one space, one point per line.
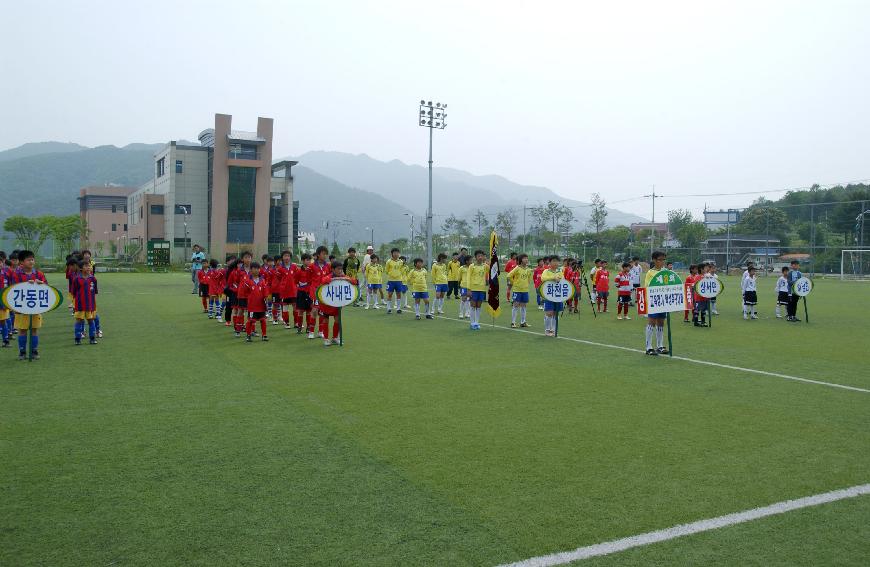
304 291
234 281
215 284
602 286
622 281
320 270
257 293
326 311
286 273
510 265
202 278
536 279
689 282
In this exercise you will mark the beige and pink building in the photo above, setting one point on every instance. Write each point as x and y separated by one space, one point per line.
104 210
224 194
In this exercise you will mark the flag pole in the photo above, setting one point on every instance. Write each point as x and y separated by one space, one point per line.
340 329
670 343
806 313
29 339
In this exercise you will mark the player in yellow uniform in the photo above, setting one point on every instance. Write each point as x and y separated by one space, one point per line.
395 272
405 269
551 309
655 323
520 279
439 279
477 276
464 306
453 276
375 281
419 286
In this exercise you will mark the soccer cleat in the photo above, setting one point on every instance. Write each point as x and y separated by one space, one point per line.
265 339
524 324
249 339
619 317
237 334
745 317
298 330
34 354
389 310
210 316
310 335
78 341
627 317
429 316
398 311
753 316
377 306
686 321
327 342
99 334
368 306
513 325
227 323
715 312
336 341
287 326
22 355
779 316
417 317
651 352
540 307
662 350
276 322
92 341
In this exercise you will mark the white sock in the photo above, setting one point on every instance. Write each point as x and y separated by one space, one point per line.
514 310
745 309
523 314
429 308
649 334
778 312
752 311
416 308
660 336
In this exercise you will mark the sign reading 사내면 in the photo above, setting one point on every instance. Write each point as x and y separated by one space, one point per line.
709 288
29 298
337 293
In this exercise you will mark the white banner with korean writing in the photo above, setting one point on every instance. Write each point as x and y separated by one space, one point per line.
31 298
337 293
557 291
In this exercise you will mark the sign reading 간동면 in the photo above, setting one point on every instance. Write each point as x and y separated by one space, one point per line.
803 286
557 291
665 294
30 298
709 288
337 293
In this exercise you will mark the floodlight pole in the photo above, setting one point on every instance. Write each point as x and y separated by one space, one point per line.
431 116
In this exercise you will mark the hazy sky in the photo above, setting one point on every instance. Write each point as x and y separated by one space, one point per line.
694 97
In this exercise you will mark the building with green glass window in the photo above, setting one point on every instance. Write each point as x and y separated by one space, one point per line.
223 194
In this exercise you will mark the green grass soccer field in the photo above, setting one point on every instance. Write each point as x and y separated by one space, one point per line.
422 443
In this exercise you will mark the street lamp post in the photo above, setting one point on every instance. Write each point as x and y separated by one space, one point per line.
186 212
411 241
373 235
431 117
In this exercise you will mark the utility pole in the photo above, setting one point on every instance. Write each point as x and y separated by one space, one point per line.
431 116
767 235
524 225
652 237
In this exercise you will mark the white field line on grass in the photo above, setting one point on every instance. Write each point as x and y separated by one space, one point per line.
681 530
683 358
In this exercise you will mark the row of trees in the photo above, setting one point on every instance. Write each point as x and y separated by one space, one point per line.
31 233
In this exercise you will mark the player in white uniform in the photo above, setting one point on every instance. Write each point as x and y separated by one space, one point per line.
781 292
750 295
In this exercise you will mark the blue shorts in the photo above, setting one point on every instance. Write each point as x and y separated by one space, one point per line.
441 288
550 306
420 295
374 286
658 316
394 286
478 296
404 288
521 297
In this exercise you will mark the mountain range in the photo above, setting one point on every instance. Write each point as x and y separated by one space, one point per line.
341 195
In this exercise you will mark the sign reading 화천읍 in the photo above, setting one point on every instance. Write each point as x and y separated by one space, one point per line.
337 293
665 294
557 291
709 288
803 286
30 298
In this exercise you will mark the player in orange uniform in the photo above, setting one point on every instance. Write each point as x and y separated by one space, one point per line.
689 282
326 311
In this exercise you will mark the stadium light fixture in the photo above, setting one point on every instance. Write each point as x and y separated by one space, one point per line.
427 109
